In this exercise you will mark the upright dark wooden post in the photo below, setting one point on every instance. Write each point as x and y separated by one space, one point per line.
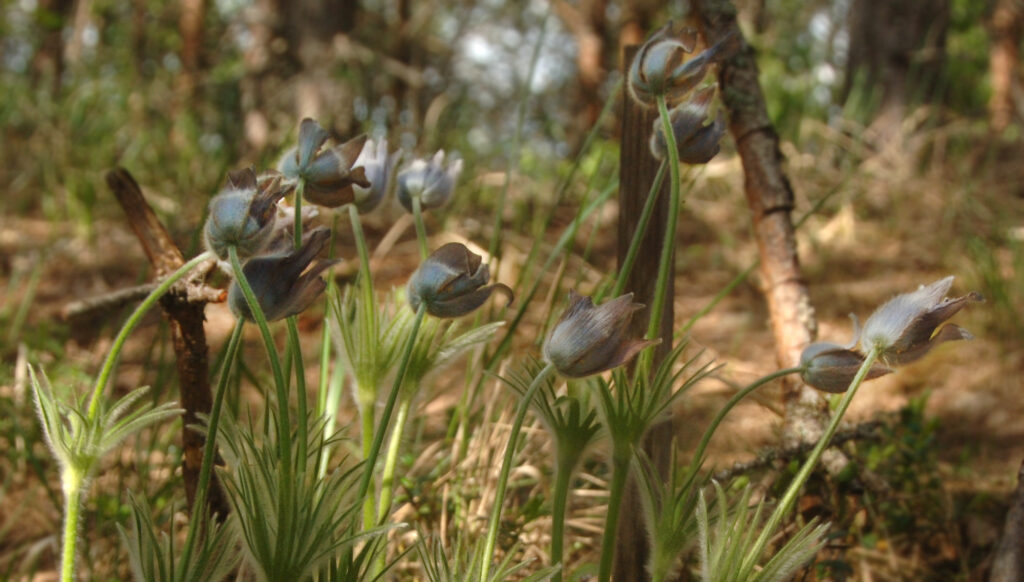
637 170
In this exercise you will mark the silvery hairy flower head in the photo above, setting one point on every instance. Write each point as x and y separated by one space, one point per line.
329 172
904 328
431 182
696 139
242 215
831 368
379 167
591 339
660 67
452 282
284 284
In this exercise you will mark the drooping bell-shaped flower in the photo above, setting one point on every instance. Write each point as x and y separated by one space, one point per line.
379 167
242 215
431 182
832 367
329 172
452 282
591 339
660 67
284 284
903 329
696 139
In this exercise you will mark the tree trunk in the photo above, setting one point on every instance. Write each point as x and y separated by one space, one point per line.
770 198
190 27
1006 27
48 61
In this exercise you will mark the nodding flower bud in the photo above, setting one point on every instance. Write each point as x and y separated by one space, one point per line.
588 340
243 214
284 284
452 282
904 328
329 173
831 368
696 140
379 166
429 181
660 67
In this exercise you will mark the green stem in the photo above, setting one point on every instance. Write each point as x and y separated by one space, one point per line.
366 414
620 472
793 491
638 233
300 189
698 457
108 365
563 478
300 388
73 489
210 447
389 407
391 459
421 229
364 256
284 436
668 246
506 467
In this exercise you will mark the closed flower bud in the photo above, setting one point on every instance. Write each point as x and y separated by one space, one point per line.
452 282
431 182
831 367
379 166
329 172
696 140
284 284
588 340
904 328
660 67
243 214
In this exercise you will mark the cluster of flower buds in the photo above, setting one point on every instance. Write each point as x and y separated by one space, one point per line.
660 69
901 331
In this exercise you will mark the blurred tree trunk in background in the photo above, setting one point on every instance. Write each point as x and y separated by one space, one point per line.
1006 27
48 62
190 27
897 50
588 24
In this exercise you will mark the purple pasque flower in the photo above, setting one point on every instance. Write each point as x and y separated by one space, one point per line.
452 282
379 166
661 67
430 181
591 339
330 173
243 214
696 139
284 284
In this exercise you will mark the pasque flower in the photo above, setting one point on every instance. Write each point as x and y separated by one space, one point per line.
696 139
242 215
284 284
379 167
431 182
452 282
591 339
660 67
902 330
329 172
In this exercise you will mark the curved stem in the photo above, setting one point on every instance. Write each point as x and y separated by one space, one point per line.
115 350
668 246
387 480
793 491
421 229
698 457
389 407
641 227
506 467
620 471
285 428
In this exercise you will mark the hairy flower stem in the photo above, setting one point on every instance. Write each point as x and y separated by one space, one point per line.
421 229
387 480
793 491
300 189
300 391
284 421
641 227
133 320
620 472
210 447
389 406
668 246
73 482
506 467
564 465
698 456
